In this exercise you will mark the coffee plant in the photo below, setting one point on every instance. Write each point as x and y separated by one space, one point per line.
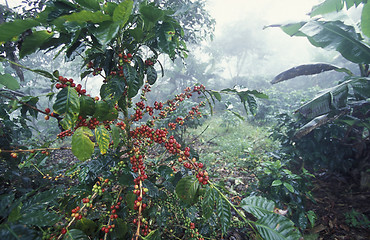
133 179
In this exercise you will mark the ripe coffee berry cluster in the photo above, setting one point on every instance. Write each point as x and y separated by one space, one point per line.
76 214
107 229
65 82
149 62
92 123
65 133
173 146
203 177
121 125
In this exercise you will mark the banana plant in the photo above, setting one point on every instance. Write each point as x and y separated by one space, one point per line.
349 96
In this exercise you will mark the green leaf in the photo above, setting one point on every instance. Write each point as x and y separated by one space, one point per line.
126 178
116 133
33 42
187 189
87 106
113 89
130 200
106 32
208 202
86 225
365 20
223 213
311 217
327 6
15 214
40 218
67 104
151 14
133 80
288 186
91 4
276 183
151 75
336 35
257 205
277 227
75 234
82 146
10 30
87 16
307 69
102 138
121 228
123 11
9 81
361 88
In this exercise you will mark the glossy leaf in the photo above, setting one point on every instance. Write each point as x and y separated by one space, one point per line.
123 11
336 35
327 6
257 205
187 189
365 20
276 183
105 111
277 227
82 146
9 81
113 89
223 213
87 16
116 133
106 32
361 88
102 138
87 106
76 234
133 80
86 225
307 69
39 218
67 104
33 42
288 186
13 29
151 75
91 4
208 202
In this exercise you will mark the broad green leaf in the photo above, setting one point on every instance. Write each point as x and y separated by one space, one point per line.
105 111
75 234
86 225
10 30
223 213
288 186
116 133
87 106
126 178
123 11
311 217
15 214
135 82
361 88
277 227
307 69
106 32
91 4
67 104
208 202
338 36
187 189
102 138
113 89
87 16
121 227
130 199
9 81
327 6
292 29
276 183
151 75
257 205
151 14
109 8
82 146
33 42
365 20
40 218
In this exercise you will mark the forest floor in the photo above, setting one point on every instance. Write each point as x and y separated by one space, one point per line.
341 207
